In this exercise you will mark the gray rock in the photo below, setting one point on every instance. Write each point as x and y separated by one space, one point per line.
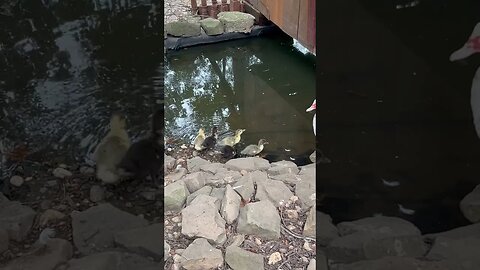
175 195
112 260
313 157
213 168
218 193
87 170
94 228
3 240
394 263
248 164
310 223
206 199
212 26
282 167
183 29
50 215
144 240
61 173
223 177
455 252
15 218
206 190
288 178
200 255
470 205
203 220
230 205
166 250
275 191
56 251
260 219
244 186
194 164
326 230
195 181
234 21
176 175
308 170
468 231
312 265
305 190
169 162
239 259
379 224
237 240
97 193
16 181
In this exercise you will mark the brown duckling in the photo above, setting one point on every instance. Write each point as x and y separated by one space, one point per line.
210 141
144 157
253 149
232 140
111 150
197 143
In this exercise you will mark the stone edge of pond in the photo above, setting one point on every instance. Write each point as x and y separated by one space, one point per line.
176 43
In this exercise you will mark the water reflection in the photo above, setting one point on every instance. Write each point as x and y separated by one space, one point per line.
262 85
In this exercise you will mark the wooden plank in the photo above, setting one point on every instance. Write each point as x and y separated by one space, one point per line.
303 23
290 17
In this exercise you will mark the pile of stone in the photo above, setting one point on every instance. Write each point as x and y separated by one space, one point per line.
209 199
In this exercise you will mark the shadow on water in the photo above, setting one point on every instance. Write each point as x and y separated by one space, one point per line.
262 85
66 66
398 124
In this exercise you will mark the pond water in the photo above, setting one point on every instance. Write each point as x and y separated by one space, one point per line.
65 68
263 85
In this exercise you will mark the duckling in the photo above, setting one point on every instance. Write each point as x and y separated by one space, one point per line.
228 152
197 143
111 149
253 149
211 140
144 157
232 140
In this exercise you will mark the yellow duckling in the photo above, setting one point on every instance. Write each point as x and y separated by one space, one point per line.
197 143
232 140
111 150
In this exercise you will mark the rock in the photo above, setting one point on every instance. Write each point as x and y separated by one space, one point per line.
260 219
112 260
274 258
166 250
175 195
97 193
144 240
15 218
312 265
275 191
195 181
235 21
203 220
292 213
394 263
3 240
457 252
245 187
237 240
223 177
16 181
87 170
212 26
206 190
310 223
230 205
149 195
50 215
195 163
313 157
248 164
206 199
305 190
239 259
169 162
61 173
218 193
468 231
183 29
213 168
288 178
57 251
326 230
175 176
201 255
94 228
376 237
51 183
470 205
282 167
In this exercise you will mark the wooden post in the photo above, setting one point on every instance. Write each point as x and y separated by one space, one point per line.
214 9
203 8
194 6
224 6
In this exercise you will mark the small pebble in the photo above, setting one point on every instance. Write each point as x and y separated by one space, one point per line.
258 242
51 183
61 173
274 258
16 180
28 179
292 214
177 219
307 247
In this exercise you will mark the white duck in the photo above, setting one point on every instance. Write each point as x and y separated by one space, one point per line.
472 46
312 108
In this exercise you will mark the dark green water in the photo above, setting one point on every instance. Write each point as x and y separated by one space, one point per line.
263 85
